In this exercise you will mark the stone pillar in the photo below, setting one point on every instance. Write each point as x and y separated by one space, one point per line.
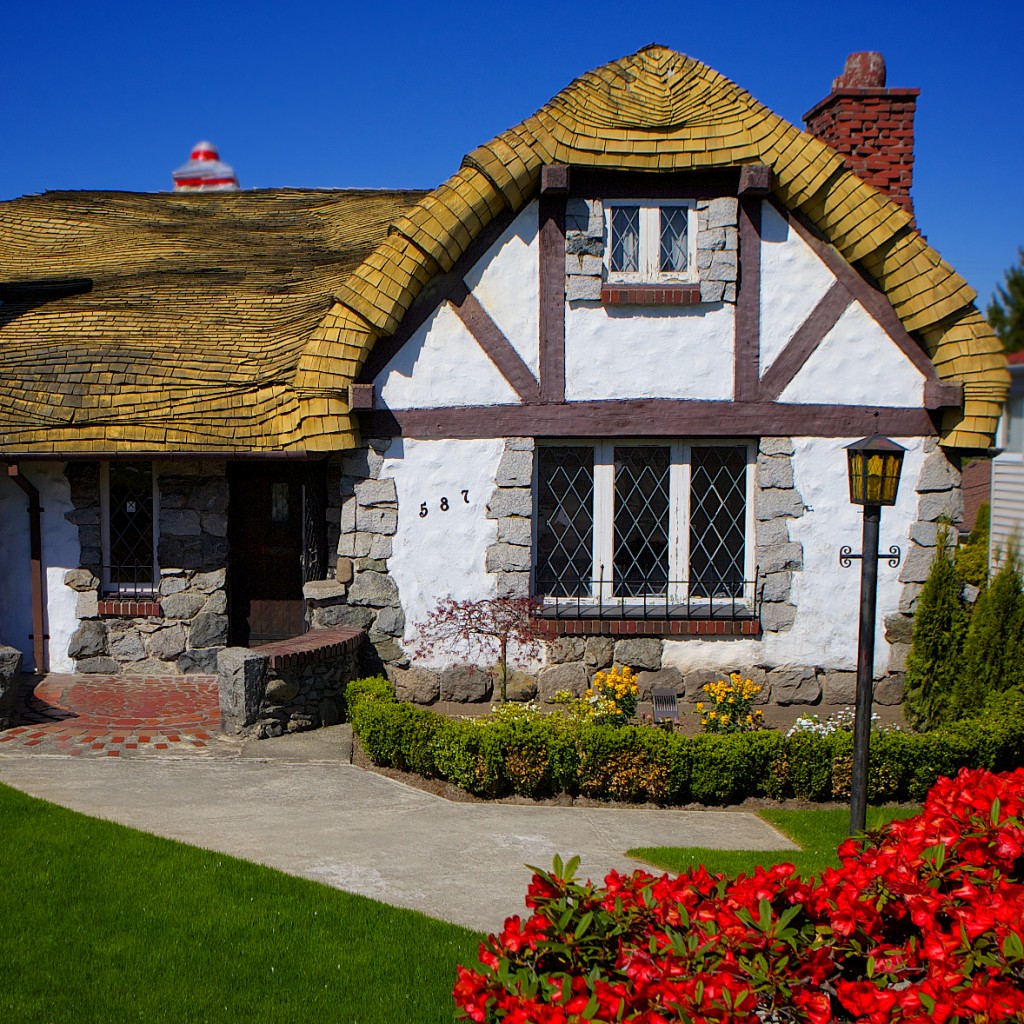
242 682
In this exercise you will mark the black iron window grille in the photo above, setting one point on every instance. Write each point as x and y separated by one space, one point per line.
731 599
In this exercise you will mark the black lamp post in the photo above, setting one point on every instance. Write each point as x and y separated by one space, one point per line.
875 463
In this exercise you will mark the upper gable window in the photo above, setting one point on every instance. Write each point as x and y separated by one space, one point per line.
650 241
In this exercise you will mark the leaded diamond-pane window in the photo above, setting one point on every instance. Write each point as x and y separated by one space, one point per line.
674 245
641 552
718 513
625 239
130 503
651 241
565 520
658 524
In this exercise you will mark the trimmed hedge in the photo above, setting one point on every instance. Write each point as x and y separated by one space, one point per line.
550 755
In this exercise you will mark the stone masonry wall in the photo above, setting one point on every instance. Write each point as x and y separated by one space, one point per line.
192 625
776 504
364 595
257 700
511 504
717 249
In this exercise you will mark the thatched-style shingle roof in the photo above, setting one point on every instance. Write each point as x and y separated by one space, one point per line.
170 321
238 321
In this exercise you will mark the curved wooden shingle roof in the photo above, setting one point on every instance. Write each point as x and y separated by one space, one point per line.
170 321
238 320
659 110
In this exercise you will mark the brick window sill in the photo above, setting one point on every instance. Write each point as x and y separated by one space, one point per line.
673 627
650 294
129 608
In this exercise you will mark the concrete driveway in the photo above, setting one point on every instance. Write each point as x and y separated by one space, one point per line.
296 804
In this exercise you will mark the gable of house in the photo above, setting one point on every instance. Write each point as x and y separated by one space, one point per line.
660 112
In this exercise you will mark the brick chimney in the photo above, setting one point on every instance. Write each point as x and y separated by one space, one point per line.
870 125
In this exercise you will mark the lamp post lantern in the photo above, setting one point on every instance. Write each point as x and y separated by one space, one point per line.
874 465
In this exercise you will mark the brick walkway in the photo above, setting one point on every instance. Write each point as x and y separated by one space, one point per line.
115 716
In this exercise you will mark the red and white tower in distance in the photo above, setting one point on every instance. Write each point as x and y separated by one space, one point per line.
205 172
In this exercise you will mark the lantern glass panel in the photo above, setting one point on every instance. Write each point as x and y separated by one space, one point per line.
874 476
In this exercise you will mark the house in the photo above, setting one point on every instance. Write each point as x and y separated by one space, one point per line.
1007 488
612 362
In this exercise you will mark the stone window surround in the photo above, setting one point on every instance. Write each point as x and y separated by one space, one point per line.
717 259
180 627
775 502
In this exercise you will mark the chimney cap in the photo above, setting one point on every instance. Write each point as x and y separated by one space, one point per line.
205 172
863 70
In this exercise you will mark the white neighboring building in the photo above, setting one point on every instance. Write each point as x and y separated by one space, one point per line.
1008 469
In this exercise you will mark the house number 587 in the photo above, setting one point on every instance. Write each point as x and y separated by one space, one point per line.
442 505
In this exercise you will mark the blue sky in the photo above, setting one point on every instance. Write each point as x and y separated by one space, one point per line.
113 95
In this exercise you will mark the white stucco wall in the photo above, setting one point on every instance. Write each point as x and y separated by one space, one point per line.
441 554
60 553
442 365
506 282
649 352
826 595
857 363
793 281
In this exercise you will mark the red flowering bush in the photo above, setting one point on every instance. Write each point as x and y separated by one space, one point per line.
922 922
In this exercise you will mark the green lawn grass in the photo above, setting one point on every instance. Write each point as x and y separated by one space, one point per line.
103 923
817 832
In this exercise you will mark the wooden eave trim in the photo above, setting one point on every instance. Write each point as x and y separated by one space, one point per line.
593 183
296 455
654 417
440 290
871 298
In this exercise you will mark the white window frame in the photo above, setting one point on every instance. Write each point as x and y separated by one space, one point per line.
649 256
107 586
602 586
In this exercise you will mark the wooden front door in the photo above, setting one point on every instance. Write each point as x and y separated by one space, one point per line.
265 565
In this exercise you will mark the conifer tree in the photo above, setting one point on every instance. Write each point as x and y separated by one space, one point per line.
1006 310
941 620
987 661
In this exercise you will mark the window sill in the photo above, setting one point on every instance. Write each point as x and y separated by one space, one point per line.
624 294
138 607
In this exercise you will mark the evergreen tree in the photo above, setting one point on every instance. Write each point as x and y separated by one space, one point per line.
941 620
971 558
1006 310
991 642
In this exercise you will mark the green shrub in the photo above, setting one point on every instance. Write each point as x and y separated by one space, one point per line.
941 621
989 664
543 756
803 767
971 558
373 688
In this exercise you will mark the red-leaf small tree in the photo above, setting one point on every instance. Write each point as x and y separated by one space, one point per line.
501 627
